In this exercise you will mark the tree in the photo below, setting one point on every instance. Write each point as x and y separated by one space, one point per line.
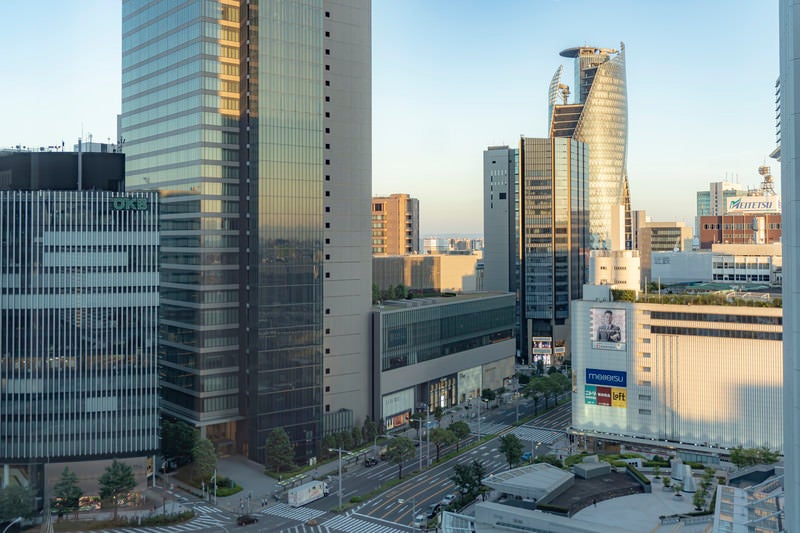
347 440
511 447
376 293
178 439
438 413
279 451
356 436
699 500
16 501
400 450
461 431
441 437
205 459
67 492
469 477
328 443
369 430
116 482
488 394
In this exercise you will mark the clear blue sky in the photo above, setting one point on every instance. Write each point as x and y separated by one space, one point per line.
451 78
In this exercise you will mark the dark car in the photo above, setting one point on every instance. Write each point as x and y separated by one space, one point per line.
433 510
370 461
246 520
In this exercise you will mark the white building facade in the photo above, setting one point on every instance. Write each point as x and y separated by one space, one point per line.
703 375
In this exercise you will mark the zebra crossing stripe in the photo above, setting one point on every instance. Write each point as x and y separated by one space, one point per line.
348 523
294 513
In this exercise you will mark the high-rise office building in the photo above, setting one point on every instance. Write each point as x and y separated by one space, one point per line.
598 116
395 225
253 120
790 176
79 312
500 219
554 234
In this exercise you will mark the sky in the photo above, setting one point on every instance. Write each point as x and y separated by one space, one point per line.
453 77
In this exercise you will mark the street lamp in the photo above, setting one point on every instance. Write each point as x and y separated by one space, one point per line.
17 519
340 474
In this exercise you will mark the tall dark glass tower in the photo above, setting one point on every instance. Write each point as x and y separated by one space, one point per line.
554 199
598 116
253 121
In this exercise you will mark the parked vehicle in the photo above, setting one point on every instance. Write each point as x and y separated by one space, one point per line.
246 520
306 493
527 456
420 521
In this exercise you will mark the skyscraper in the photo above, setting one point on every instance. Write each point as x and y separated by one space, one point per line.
500 219
790 173
79 311
598 116
554 198
395 225
253 120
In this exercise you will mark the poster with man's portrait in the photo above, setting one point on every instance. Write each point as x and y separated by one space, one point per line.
608 329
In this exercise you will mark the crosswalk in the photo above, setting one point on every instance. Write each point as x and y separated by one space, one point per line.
545 436
487 428
348 523
293 513
203 521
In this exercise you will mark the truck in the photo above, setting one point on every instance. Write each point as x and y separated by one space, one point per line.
307 492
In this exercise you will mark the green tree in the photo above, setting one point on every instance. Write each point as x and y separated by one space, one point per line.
205 459
279 451
328 443
67 492
115 483
400 450
488 394
356 436
511 447
16 501
699 500
441 437
523 379
461 431
464 478
347 440
376 293
178 439
369 430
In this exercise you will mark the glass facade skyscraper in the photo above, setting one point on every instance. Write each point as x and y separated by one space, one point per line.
598 116
554 223
228 110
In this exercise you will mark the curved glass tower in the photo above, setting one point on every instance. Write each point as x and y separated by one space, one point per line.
599 117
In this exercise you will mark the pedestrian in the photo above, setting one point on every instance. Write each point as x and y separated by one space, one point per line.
594 501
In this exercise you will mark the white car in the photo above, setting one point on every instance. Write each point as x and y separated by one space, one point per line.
420 521
448 499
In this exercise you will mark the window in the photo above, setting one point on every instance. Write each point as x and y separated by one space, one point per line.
327 225
327 161
327 114
327 351
327 257
327 130
327 34
644 383
327 408
327 311
327 331
327 209
645 397
646 354
327 275
502 196
327 241
645 369
327 83
645 412
327 177
327 388
327 67
327 146
327 370
327 98
327 51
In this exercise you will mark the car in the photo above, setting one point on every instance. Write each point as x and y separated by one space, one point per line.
420 521
370 461
448 499
527 456
246 519
433 510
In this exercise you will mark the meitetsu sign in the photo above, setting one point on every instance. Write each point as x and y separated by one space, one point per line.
611 378
753 204
122 203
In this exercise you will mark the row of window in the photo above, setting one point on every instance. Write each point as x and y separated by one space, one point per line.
716 317
722 333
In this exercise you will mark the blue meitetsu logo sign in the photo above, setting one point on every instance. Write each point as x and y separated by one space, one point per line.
611 378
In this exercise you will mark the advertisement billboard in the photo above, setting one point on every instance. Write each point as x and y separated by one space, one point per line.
742 205
541 345
607 396
608 329
610 378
